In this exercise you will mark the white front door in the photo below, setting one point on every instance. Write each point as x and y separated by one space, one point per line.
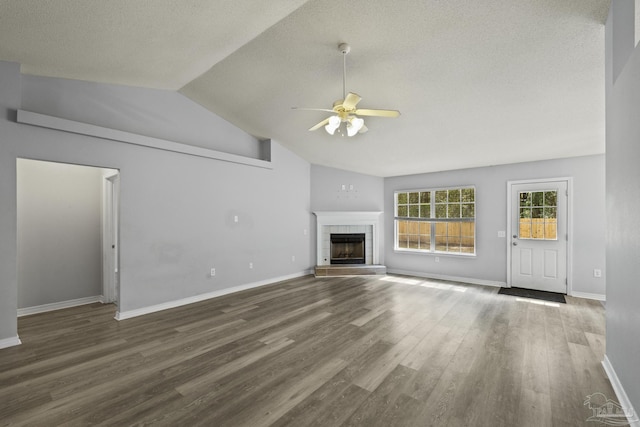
539 236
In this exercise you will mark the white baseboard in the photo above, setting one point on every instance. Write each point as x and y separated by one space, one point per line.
445 277
10 342
598 297
122 315
58 305
623 399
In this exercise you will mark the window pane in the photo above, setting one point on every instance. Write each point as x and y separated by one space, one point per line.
414 211
525 213
525 228
468 195
467 245
551 229
441 211
550 212
467 229
536 213
550 198
453 229
537 228
414 241
453 237
402 198
425 197
525 199
402 234
454 196
425 228
538 198
468 211
454 211
425 211
414 197
441 196
402 210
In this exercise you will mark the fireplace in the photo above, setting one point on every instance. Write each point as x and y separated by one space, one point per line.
347 248
334 222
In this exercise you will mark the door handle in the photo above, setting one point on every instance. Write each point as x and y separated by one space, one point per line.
515 243
515 236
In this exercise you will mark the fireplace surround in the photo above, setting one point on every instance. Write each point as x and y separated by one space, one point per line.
338 222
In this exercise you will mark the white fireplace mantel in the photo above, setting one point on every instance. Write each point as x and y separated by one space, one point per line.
345 218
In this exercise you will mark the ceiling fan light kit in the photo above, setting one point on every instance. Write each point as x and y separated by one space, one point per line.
345 109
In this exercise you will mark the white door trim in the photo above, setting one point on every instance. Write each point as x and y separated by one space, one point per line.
569 181
109 236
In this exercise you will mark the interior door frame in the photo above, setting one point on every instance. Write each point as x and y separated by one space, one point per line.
569 181
110 236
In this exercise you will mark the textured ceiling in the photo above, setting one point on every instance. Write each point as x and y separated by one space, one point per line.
478 83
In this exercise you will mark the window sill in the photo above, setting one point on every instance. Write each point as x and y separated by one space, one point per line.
438 254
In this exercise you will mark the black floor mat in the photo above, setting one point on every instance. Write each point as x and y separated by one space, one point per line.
531 293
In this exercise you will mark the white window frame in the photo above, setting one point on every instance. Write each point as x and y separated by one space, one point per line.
433 220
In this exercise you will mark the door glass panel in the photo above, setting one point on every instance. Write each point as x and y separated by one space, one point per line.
538 215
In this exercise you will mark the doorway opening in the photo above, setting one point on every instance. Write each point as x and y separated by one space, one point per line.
67 215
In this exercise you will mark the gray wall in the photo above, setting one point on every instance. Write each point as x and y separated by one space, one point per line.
59 232
623 202
490 264
327 193
361 193
9 101
176 210
132 109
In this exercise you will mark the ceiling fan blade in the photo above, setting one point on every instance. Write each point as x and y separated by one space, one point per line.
312 109
351 101
319 125
377 113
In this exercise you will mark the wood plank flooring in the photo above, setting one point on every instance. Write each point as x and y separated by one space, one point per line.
355 351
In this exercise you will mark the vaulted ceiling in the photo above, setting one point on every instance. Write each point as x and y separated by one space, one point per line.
477 82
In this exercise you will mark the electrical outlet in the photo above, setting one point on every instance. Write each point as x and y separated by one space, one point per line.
235 218
305 232
250 265
437 259
502 233
213 272
293 258
597 273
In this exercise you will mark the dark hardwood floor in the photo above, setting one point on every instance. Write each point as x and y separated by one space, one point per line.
357 351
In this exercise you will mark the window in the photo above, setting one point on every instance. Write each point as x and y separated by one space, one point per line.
538 215
439 221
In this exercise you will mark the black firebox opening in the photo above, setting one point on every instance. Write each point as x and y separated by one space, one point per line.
347 248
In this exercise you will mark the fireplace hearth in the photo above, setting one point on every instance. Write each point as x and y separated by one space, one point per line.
347 248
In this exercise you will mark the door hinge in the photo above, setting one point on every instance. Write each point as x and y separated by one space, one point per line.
566 281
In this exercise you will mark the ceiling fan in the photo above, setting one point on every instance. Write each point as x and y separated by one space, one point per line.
345 109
